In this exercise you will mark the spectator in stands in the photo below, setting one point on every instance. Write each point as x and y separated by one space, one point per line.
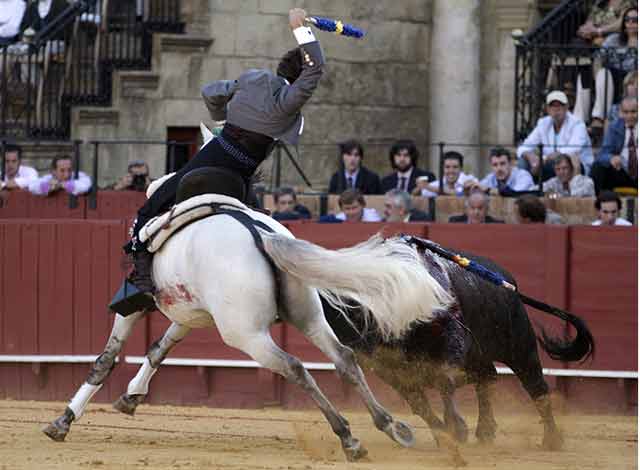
287 207
397 208
42 12
352 209
454 182
11 14
531 210
619 55
609 205
630 87
617 164
476 206
351 173
403 157
559 132
604 18
504 178
136 179
567 183
16 175
61 177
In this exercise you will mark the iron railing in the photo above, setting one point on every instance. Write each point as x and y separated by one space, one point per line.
71 62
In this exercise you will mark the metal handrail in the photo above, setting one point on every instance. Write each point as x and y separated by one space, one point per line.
560 25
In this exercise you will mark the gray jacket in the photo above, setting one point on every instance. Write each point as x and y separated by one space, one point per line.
262 102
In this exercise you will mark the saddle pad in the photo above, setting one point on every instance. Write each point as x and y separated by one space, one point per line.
159 229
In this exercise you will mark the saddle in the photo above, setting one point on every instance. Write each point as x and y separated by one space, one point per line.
159 229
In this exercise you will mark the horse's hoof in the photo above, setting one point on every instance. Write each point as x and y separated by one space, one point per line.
58 429
553 442
127 404
355 451
55 433
401 433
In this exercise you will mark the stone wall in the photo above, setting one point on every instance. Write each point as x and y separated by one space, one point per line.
377 89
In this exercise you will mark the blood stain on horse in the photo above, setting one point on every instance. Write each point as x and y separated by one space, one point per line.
184 293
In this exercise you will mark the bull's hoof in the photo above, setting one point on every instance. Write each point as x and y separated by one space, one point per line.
355 451
552 441
445 441
127 404
460 431
58 429
401 433
486 432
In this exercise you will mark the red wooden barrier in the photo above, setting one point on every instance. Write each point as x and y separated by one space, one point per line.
603 290
116 205
22 204
56 278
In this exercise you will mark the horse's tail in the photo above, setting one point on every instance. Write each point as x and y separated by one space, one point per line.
581 348
386 277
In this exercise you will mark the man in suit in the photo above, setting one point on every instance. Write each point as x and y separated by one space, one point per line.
403 157
351 174
617 164
397 208
476 207
259 107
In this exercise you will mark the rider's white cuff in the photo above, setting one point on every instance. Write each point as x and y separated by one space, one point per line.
304 35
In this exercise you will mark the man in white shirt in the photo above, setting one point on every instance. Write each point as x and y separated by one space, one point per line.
16 175
454 180
608 205
504 178
11 14
61 177
558 132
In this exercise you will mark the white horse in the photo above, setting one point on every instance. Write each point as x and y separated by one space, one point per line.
212 273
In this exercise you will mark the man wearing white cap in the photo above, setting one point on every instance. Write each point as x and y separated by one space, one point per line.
558 132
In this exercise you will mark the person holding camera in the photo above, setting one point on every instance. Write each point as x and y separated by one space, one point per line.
136 179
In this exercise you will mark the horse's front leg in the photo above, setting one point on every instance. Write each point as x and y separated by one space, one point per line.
122 327
139 385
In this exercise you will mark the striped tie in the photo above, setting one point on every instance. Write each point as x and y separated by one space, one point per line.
633 155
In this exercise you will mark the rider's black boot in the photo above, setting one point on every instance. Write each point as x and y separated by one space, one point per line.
141 276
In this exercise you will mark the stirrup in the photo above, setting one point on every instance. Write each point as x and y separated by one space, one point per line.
129 299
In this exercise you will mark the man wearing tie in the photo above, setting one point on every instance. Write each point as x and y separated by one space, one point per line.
351 174
403 156
617 164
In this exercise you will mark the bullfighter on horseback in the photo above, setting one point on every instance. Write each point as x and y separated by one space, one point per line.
259 107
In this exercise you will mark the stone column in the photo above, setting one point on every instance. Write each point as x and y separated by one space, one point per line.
454 77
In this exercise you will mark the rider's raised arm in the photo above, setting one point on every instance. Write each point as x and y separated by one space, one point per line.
292 97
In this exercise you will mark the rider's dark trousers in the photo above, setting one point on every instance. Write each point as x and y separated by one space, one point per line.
211 155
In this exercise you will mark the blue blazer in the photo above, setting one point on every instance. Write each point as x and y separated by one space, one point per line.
613 142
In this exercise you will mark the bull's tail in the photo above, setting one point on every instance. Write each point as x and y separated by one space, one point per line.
580 348
387 277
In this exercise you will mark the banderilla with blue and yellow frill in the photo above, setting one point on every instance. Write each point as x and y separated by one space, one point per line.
335 26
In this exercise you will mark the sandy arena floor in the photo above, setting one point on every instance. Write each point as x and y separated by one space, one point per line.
167 437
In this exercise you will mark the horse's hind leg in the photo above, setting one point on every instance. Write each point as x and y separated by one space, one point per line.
139 385
304 310
409 379
122 327
263 349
